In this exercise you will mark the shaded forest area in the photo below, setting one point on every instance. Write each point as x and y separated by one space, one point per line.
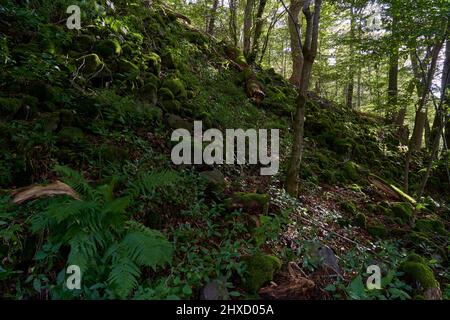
358 90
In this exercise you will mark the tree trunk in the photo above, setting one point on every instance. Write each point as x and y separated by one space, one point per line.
233 22
351 81
309 51
258 30
248 23
417 135
212 17
296 48
393 68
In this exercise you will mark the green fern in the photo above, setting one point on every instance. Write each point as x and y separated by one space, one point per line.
99 232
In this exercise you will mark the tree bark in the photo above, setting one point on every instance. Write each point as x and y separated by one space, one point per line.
309 51
248 23
258 30
212 17
351 81
296 48
233 22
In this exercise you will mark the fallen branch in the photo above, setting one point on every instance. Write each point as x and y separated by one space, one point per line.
33 192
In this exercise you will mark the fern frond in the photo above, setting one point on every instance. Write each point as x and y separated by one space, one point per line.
148 182
147 247
74 179
124 272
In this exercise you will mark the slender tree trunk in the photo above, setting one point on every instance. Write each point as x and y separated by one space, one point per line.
393 71
309 50
212 17
248 23
296 48
233 21
351 81
439 119
416 139
259 23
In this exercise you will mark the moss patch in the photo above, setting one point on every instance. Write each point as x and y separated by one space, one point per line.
260 270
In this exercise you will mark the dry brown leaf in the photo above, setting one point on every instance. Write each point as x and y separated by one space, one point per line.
36 191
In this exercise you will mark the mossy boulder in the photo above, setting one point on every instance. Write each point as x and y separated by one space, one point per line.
128 67
260 270
71 135
249 202
171 106
165 94
90 63
215 179
153 63
361 220
402 210
429 225
349 206
83 43
378 231
149 92
419 274
108 48
175 86
350 170
9 106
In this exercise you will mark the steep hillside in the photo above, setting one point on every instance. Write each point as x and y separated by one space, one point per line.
96 108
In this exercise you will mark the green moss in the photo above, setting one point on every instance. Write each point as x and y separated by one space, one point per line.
251 201
378 231
350 170
414 257
430 226
171 106
418 238
125 66
69 135
149 92
420 273
361 220
9 106
402 210
154 63
349 206
176 86
260 270
165 94
108 48
91 63
83 43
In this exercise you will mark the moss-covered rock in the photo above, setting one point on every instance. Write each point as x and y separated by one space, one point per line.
83 43
149 92
252 202
153 63
418 272
9 106
125 66
215 179
108 48
165 94
70 135
260 270
361 220
430 226
377 230
402 210
175 86
350 170
90 63
349 206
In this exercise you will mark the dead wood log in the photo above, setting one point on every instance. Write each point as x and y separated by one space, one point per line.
390 189
36 191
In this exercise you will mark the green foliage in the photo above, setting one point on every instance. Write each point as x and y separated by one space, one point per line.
99 232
